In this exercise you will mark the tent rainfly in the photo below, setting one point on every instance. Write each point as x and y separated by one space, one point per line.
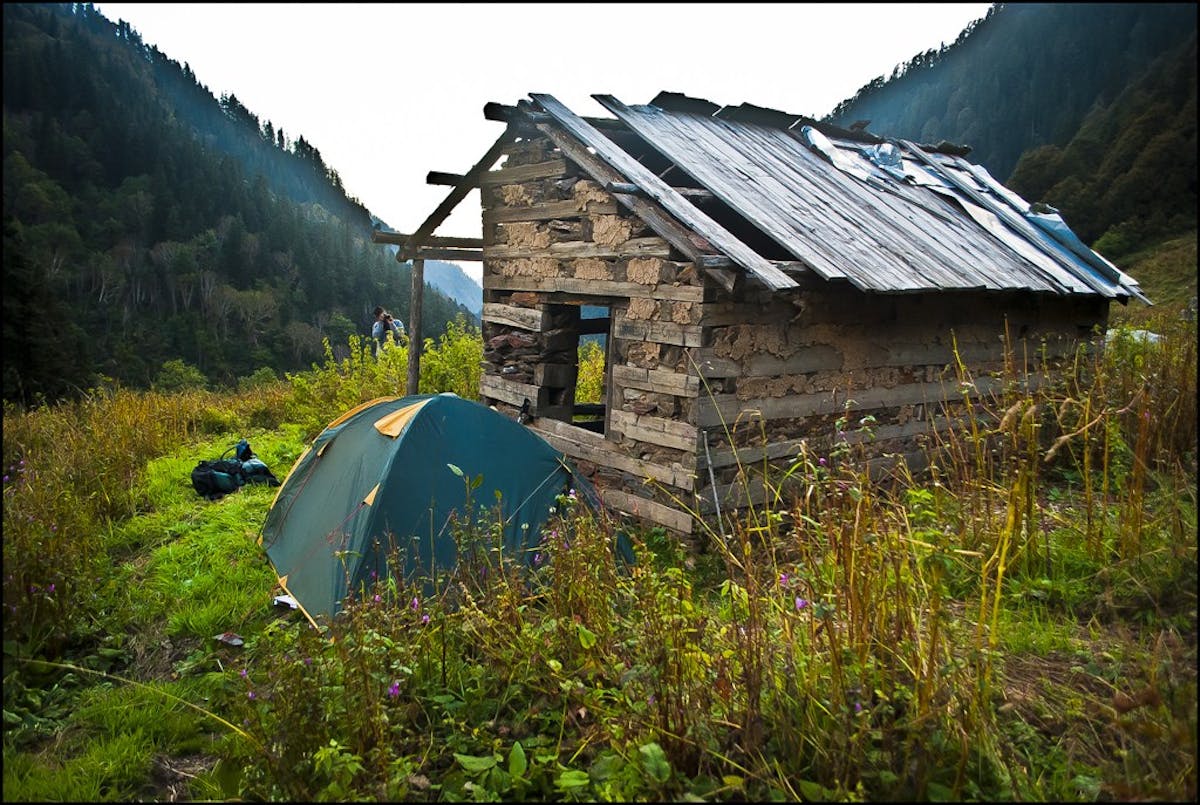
379 483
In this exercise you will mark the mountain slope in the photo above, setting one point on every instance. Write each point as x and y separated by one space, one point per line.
451 280
146 220
1025 75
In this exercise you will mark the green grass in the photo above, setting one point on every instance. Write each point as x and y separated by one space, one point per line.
1166 272
927 642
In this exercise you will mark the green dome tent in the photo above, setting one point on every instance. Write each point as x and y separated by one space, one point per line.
378 478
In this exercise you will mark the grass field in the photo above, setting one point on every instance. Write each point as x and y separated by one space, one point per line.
1018 626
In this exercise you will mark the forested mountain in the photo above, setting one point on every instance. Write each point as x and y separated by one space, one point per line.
145 220
1099 98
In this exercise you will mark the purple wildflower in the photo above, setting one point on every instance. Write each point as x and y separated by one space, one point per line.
394 690
800 603
783 579
425 618
821 461
858 707
537 559
377 598
50 589
415 604
308 660
5 479
250 694
571 494
243 673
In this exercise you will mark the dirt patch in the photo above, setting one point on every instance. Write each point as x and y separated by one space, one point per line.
173 777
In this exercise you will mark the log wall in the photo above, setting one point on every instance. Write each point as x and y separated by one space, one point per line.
702 380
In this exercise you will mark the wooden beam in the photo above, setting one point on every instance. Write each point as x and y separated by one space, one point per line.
588 290
526 318
584 444
465 255
644 509
503 113
437 177
460 191
724 277
416 294
548 211
523 173
436 241
572 249
629 189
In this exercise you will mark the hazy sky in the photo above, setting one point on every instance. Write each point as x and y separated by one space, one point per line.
389 92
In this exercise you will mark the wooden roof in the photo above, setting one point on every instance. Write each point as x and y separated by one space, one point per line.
887 216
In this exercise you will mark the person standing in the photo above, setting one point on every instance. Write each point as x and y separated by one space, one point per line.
386 323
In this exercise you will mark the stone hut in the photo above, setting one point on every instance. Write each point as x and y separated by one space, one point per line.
754 276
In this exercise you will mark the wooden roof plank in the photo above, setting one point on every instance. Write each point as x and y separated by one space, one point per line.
665 195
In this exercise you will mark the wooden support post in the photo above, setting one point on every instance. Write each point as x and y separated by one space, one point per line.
414 325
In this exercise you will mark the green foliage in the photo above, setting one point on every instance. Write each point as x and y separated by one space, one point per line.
454 363
263 377
176 375
589 385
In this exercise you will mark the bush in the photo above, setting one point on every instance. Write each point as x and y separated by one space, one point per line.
176 375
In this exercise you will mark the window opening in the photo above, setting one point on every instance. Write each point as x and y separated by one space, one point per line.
592 362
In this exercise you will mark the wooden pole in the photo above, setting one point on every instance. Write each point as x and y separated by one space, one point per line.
414 325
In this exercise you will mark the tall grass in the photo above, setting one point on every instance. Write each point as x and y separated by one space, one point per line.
1017 624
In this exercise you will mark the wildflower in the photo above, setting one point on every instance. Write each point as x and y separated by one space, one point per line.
650 699
537 559
783 579
571 494
821 461
374 574
5 479
415 604
50 589
425 618
858 707
250 694
242 673
308 660
377 598
394 690
800 603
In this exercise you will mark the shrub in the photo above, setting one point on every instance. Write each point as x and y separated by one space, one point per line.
176 375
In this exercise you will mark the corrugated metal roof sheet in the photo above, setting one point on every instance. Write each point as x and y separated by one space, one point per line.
886 219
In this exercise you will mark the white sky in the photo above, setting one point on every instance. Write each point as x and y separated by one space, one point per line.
389 92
